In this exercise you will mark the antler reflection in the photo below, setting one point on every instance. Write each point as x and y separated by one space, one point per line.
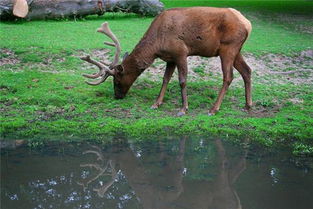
104 169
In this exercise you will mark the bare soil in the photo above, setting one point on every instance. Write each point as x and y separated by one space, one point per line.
296 22
267 69
8 57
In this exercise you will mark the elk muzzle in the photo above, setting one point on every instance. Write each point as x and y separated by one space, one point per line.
119 93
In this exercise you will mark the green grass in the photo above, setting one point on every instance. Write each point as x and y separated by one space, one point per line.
42 97
301 7
268 36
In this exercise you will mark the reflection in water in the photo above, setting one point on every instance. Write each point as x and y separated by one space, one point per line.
184 174
166 189
104 168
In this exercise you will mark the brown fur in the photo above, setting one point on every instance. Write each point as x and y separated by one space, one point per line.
197 31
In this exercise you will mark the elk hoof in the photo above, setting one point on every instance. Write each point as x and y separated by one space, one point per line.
212 112
155 106
247 108
181 113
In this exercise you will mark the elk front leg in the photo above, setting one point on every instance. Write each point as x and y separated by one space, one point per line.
170 67
227 68
182 76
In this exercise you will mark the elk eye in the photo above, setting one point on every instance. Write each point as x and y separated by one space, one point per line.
119 68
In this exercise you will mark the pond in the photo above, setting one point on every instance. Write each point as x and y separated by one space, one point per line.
180 173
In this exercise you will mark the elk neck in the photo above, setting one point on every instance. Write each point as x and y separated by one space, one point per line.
141 57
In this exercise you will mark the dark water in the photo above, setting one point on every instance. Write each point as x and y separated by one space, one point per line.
167 174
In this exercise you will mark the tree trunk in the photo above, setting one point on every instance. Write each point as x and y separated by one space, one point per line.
57 9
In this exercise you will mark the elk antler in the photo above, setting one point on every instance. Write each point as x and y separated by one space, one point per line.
105 69
102 190
107 31
102 169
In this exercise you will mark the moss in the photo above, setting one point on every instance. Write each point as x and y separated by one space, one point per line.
302 149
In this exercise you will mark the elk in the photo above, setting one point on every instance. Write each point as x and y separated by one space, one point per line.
174 35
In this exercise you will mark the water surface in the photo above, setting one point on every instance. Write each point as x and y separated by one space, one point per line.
163 174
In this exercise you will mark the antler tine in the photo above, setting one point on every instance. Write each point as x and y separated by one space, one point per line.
102 190
98 64
109 43
96 166
95 75
107 31
97 152
101 80
104 71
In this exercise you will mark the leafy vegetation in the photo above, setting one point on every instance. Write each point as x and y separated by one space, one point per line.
43 94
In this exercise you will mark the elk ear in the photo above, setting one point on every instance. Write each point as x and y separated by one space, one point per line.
125 55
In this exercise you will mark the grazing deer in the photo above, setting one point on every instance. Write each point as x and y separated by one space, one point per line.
174 35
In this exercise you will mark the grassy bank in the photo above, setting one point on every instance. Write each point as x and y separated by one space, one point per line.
43 93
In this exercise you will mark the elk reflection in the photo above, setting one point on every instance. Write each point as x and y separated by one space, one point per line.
167 188
103 168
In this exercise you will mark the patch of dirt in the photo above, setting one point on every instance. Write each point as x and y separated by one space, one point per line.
294 22
269 68
296 101
300 23
263 112
47 64
49 60
8 57
53 113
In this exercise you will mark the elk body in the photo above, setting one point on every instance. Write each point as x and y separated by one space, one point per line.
174 35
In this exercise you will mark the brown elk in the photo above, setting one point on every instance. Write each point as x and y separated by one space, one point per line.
174 35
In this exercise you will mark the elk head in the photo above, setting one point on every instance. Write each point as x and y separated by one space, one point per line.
121 83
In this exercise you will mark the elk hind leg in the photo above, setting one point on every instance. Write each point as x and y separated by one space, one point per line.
182 76
227 67
245 72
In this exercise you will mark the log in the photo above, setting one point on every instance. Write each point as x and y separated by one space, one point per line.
58 9
20 8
